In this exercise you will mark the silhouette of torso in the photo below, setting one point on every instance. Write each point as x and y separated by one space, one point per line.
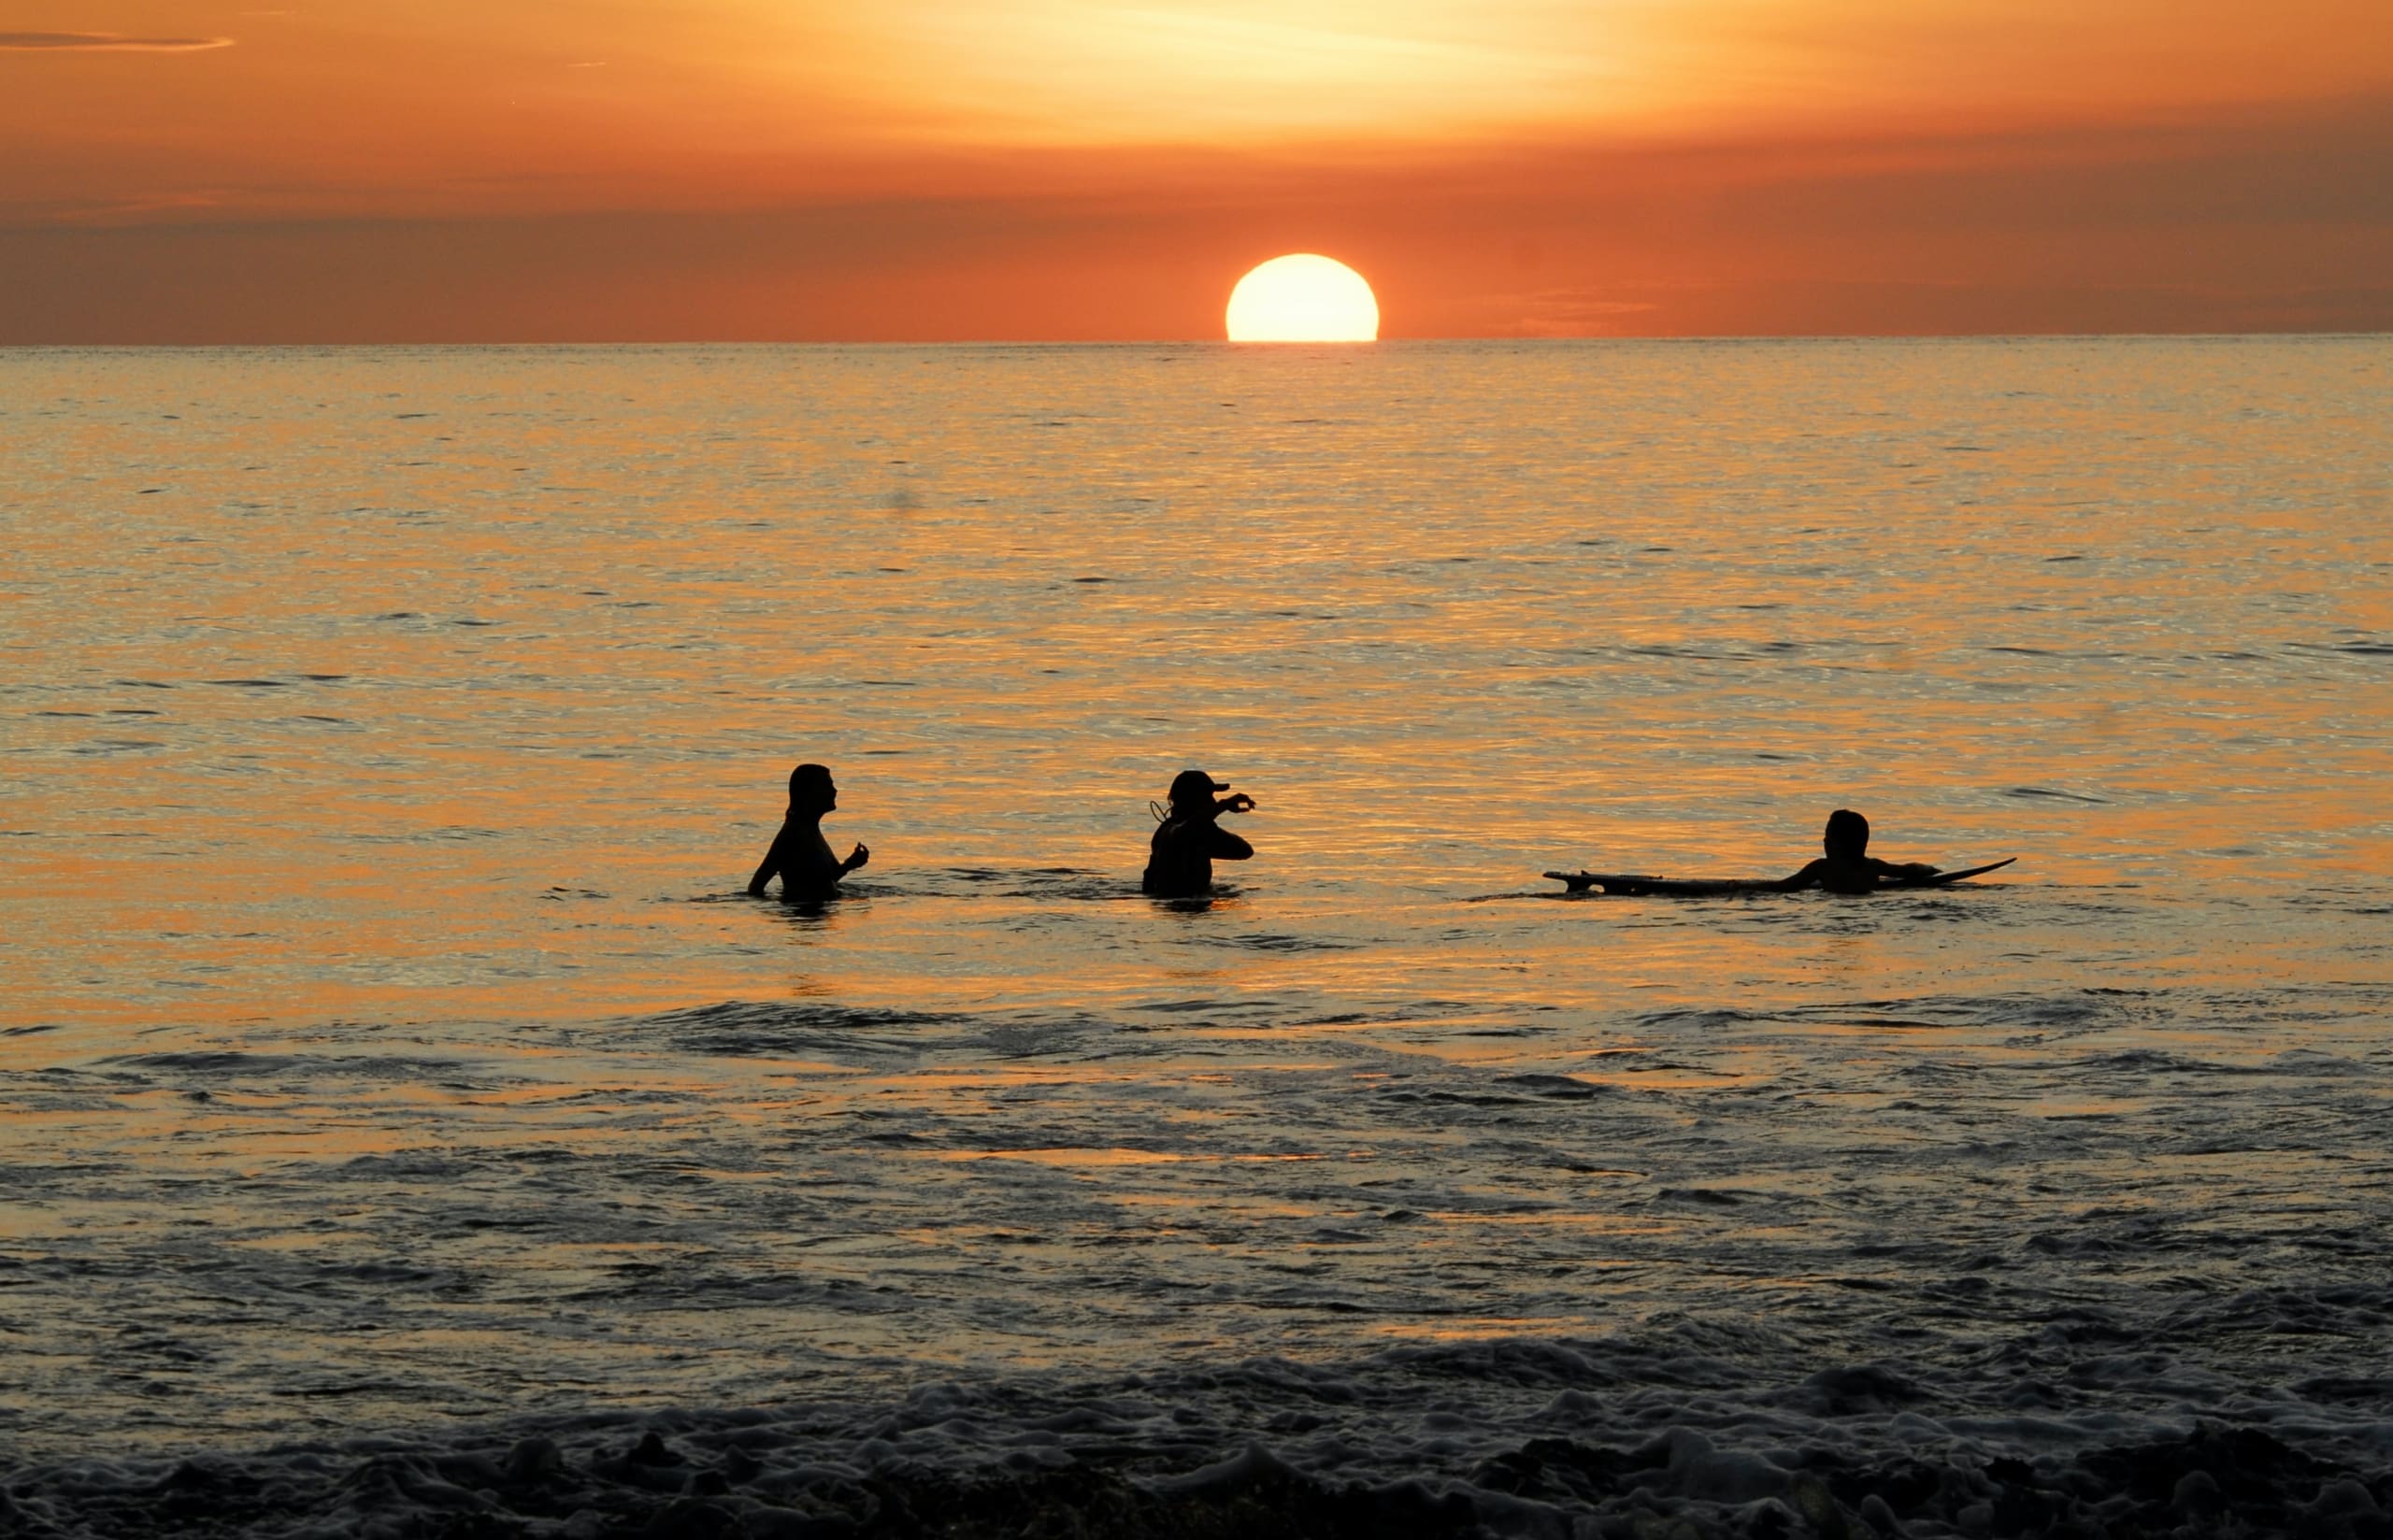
1844 875
808 867
1849 876
1180 859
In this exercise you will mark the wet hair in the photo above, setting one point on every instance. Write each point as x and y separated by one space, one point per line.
808 775
1848 833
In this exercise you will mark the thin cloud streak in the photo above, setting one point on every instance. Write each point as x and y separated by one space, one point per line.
104 42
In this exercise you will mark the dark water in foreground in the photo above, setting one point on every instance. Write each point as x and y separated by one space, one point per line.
404 1114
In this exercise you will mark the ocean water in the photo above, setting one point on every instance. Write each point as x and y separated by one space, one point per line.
407 1114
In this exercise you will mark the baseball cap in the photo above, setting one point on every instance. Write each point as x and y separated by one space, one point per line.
1191 784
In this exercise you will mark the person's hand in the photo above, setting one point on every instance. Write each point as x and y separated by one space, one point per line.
1237 801
856 857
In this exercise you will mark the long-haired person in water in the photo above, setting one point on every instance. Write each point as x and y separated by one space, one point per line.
800 856
1190 838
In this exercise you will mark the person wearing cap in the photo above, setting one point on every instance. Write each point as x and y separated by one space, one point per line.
802 857
1189 838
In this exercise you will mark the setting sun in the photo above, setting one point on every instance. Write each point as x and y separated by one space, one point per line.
1303 298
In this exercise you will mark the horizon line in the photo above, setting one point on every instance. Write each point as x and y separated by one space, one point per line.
1700 337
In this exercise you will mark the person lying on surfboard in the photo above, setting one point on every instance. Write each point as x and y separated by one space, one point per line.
1846 868
1189 837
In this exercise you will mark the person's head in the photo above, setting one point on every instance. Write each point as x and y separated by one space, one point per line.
810 789
1848 836
1194 789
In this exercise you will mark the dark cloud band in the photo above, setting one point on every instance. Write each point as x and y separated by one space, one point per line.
102 42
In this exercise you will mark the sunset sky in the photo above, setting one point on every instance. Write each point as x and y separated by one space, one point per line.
336 170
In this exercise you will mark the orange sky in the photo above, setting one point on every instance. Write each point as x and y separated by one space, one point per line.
598 169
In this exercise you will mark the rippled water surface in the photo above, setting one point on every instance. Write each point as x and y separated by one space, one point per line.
389 734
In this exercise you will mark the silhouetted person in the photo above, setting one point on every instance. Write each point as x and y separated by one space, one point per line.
800 855
1190 838
1848 868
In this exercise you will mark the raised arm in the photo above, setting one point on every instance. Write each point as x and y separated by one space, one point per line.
1219 842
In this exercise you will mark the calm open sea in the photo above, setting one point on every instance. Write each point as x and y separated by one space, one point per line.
394 1068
